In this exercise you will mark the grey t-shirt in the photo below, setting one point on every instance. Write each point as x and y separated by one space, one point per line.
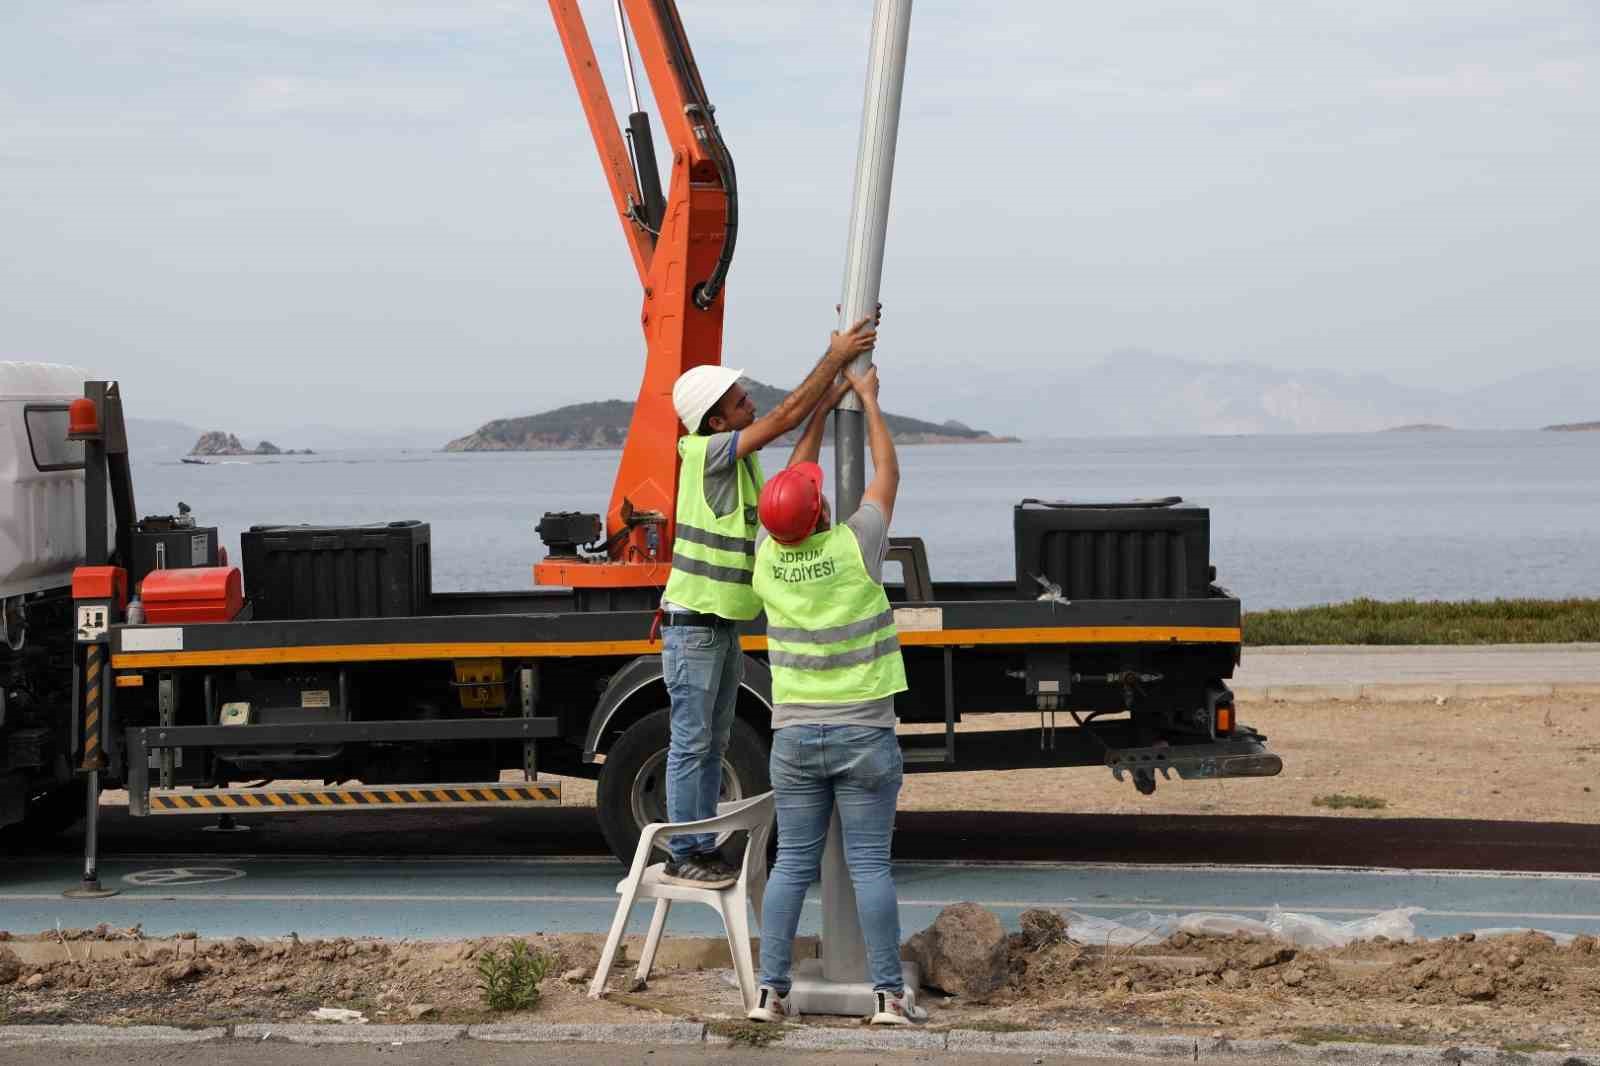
721 481
722 472
872 534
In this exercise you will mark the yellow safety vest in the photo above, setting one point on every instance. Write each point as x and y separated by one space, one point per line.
831 636
713 555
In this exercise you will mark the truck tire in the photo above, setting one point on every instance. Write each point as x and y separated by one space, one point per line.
632 790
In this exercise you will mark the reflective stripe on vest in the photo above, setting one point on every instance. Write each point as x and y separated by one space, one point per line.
713 555
831 637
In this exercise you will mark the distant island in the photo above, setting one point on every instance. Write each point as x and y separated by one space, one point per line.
1420 427
604 424
216 442
1574 427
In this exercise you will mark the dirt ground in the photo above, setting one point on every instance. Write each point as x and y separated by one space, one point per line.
1501 759
1504 759
1517 759
1521 992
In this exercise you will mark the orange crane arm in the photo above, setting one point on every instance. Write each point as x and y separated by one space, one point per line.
603 127
682 256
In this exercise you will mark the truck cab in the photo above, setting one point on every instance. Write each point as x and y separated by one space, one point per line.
42 527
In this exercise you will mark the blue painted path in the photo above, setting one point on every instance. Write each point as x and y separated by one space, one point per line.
272 896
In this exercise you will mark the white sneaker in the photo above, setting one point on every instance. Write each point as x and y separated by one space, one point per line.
896 1010
771 1007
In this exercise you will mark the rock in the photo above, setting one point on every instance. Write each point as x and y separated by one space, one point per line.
266 447
1294 977
1232 979
1041 927
419 1011
1421 975
10 966
216 442
185 970
35 981
1267 955
576 976
963 952
1466 938
1477 986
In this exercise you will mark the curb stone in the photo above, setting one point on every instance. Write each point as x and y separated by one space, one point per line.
105 1034
303 1033
971 1041
591 1033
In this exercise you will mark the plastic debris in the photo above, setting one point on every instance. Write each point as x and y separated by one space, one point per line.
1563 939
1301 930
342 1015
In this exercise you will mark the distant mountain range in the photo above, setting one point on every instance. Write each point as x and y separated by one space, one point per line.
1140 393
1129 393
605 425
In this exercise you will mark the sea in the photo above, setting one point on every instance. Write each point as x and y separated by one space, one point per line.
1295 520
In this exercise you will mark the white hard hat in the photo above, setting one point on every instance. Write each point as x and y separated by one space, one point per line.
698 391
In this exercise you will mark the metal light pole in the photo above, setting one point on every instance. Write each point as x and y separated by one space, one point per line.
869 223
837 983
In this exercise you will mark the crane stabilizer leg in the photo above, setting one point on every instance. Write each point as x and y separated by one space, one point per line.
839 985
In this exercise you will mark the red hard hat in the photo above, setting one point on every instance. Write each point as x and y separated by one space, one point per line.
791 502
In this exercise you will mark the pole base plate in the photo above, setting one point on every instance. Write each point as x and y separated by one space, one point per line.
814 994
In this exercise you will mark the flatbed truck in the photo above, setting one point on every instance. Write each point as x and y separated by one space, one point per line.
134 655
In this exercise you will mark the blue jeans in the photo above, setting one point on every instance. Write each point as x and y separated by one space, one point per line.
703 666
815 767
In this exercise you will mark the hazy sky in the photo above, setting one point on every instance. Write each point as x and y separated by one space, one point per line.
389 212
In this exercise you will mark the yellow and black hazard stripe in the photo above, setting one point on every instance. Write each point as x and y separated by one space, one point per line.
280 800
93 757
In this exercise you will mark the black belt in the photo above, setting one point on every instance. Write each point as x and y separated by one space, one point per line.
689 618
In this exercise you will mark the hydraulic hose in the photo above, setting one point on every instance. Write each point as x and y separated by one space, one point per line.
703 117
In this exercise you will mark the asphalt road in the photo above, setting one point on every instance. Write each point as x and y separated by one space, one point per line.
1010 836
1542 664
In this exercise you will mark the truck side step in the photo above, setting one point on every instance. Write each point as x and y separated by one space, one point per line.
355 798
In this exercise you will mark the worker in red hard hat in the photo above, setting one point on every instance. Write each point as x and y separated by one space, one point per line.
708 592
836 666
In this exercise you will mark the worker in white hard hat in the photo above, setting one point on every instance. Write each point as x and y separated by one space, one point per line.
708 592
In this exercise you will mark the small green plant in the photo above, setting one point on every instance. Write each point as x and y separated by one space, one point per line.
510 981
1338 801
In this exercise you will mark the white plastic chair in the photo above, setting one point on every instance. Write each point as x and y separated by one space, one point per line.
754 815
